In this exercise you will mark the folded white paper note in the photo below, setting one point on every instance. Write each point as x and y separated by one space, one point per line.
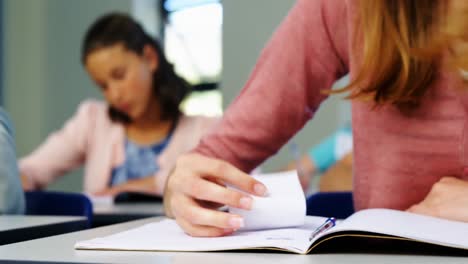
285 205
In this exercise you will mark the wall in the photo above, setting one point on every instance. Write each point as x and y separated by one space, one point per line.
247 26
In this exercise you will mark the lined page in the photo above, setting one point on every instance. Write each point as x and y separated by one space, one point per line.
404 224
285 205
166 235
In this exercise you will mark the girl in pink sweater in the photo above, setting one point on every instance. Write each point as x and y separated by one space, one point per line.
131 142
409 110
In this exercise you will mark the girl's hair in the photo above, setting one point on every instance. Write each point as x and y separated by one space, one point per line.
391 30
454 30
117 28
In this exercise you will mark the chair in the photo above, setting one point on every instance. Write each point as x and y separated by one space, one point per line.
58 203
331 204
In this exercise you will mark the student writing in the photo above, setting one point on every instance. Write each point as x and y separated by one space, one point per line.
409 110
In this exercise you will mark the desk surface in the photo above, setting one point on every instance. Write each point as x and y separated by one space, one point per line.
60 249
10 222
16 228
105 206
150 209
110 213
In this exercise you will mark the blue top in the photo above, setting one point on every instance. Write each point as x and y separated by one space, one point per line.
140 161
332 149
11 192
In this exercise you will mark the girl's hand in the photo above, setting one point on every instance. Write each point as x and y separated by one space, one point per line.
447 199
197 187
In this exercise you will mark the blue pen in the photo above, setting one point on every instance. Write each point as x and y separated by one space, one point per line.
329 223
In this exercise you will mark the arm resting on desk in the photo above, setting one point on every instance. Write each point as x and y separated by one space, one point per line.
447 199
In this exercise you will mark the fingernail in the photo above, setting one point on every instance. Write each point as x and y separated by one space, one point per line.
260 189
236 222
246 202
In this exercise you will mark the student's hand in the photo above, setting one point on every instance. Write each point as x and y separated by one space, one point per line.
197 188
447 199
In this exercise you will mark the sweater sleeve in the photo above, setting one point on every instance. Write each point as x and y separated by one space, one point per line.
62 151
306 54
11 193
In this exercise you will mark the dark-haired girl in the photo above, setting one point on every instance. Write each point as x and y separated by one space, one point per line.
131 141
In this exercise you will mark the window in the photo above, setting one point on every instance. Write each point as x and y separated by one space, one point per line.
192 33
193 40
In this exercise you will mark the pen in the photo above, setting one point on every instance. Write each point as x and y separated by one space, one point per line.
329 223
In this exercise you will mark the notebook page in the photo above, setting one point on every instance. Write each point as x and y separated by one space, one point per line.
408 225
166 235
285 205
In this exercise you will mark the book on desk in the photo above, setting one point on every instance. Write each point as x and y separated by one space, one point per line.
371 230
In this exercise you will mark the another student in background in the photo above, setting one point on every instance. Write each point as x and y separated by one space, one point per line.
409 102
11 194
130 142
339 177
325 155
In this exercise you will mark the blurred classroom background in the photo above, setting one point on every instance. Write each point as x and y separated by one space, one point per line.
214 44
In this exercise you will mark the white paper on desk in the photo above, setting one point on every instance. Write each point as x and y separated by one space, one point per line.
285 205
100 199
166 235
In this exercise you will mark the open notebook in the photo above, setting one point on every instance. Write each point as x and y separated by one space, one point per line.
268 227
371 225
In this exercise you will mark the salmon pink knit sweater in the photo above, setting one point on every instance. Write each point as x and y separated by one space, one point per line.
397 157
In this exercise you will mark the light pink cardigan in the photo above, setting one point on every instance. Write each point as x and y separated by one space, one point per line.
90 138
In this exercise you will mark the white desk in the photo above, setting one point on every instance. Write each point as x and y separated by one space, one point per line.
110 213
15 228
60 249
146 209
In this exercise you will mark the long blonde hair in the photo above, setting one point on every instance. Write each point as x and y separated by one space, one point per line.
390 73
455 31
